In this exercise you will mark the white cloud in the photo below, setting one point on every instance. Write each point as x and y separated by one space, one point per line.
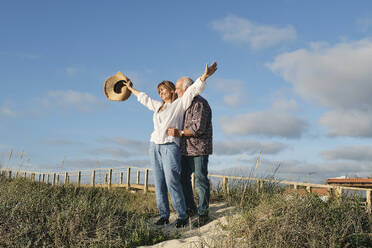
140 147
275 122
297 170
285 105
76 164
320 172
242 31
72 71
6 111
351 153
80 101
55 141
114 151
233 90
337 77
247 147
355 123
363 24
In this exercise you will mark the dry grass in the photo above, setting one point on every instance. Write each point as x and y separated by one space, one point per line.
39 215
268 218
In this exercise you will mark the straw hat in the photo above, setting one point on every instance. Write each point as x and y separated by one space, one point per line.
115 90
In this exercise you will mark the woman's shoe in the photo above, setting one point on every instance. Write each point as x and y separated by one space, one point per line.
162 221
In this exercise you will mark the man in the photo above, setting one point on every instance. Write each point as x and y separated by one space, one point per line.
196 146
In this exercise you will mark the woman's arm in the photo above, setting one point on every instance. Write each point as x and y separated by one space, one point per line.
151 104
129 84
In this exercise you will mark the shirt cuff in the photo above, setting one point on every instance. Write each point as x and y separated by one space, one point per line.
140 96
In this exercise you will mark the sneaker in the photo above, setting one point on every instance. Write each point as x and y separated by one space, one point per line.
201 221
162 221
181 222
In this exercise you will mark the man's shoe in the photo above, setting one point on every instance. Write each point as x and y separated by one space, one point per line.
181 222
191 212
162 221
201 221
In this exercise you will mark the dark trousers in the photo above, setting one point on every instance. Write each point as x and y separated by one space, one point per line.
199 166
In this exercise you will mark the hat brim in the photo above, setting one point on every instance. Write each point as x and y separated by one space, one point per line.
114 88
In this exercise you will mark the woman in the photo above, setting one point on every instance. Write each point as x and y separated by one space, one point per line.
165 155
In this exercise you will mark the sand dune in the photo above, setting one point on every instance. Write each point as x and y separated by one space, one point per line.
194 237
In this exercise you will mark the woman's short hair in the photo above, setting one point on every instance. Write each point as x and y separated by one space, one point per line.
170 86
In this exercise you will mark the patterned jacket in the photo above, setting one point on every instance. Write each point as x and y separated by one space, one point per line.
198 118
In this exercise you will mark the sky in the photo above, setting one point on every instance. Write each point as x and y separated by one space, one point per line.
294 82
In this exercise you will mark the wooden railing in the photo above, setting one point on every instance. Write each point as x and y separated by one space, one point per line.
109 182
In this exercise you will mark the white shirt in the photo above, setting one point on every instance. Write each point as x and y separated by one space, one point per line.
172 113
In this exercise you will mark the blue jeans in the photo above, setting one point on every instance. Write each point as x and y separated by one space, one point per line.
166 162
199 166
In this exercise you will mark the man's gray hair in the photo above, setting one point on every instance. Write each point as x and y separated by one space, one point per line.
186 82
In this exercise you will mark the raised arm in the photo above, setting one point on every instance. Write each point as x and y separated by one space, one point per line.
151 104
199 85
129 87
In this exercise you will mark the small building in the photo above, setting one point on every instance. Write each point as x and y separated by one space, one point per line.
351 182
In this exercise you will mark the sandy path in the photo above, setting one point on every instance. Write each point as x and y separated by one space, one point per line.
193 237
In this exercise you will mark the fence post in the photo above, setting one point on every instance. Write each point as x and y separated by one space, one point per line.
110 179
48 178
138 177
25 174
58 179
258 186
54 179
224 184
308 189
93 178
368 198
10 174
39 177
16 174
128 178
79 178
339 191
105 178
121 177
145 188
66 178
295 186
43 178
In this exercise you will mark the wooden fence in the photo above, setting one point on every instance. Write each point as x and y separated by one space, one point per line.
142 174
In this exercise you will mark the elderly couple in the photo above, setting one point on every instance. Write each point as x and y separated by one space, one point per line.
180 145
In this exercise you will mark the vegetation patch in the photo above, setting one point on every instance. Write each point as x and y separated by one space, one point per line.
268 218
40 215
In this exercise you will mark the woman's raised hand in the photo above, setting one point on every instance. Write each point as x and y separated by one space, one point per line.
129 86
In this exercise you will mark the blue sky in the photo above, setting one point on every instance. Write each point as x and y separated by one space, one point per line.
294 81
